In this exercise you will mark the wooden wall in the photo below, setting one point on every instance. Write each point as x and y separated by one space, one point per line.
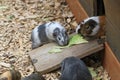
112 9
93 7
111 64
88 6
77 10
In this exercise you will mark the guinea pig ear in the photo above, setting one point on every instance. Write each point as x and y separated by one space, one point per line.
64 31
92 23
56 32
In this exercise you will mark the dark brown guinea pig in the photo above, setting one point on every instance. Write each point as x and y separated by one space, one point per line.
11 75
92 27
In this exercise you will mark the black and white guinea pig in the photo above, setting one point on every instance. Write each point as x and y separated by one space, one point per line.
51 31
11 75
73 68
91 26
34 76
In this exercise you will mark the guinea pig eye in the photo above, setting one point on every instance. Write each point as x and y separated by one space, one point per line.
88 27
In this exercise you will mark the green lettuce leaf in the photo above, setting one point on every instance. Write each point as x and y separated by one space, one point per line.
75 39
55 50
93 73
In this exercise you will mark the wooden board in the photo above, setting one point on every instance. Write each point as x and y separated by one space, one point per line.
111 63
112 25
112 11
77 10
113 38
88 6
45 62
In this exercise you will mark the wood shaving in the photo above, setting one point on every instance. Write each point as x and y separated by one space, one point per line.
17 19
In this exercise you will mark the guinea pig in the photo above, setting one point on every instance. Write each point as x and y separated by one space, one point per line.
11 75
73 68
34 76
51 31
92 27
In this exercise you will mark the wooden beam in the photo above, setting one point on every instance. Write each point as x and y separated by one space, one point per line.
77 9
45 62
111 63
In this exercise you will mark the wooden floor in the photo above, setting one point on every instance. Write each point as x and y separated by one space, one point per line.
45 62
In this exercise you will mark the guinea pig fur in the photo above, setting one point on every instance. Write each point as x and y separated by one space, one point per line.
34 76
73 68
51 31
11 75
91 27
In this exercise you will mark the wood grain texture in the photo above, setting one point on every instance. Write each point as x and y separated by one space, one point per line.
88 6
113 38
45 62
113 25
112 10
111 64
77 10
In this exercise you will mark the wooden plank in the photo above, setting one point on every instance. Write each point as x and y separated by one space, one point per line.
89 9
77 10
112 25
111 63
45 62
112 11
113 38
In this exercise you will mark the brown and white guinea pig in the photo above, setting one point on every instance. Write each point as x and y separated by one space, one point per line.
51 31
73 68
92 27
34 76
11 75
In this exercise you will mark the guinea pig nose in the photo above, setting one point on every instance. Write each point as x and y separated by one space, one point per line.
65 43
84 35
